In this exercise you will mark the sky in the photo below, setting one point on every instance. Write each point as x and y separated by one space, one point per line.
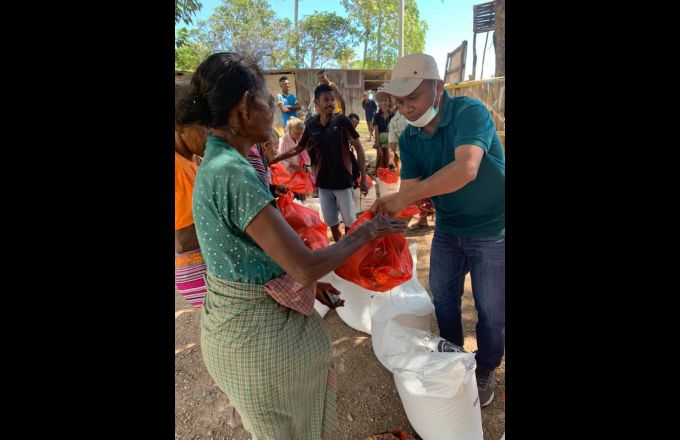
449 23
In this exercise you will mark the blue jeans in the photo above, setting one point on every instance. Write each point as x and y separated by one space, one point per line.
484 257
333 201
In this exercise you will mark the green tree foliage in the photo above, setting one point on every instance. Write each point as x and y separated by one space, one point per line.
324 37
378 25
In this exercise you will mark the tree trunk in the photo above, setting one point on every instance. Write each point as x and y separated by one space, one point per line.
379 48
499 37
366 34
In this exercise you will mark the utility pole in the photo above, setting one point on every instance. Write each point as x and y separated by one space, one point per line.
401 28
297 37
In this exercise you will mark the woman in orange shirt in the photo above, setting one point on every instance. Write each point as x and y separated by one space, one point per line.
189 264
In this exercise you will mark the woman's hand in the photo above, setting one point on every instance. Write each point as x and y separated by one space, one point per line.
321 288
278 190
382 225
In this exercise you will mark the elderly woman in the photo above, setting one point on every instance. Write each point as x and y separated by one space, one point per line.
295 128
261 340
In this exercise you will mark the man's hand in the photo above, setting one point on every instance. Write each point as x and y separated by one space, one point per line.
363 185
389 205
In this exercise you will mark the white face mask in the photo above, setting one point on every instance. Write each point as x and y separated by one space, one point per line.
426 117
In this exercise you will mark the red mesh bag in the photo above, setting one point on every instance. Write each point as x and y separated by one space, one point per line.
381 264
305 221
387 175
280 175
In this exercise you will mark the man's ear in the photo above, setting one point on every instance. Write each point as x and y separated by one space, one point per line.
440 87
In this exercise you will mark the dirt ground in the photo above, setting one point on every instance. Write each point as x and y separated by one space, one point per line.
367 398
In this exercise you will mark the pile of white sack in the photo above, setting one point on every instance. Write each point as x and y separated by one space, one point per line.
435 379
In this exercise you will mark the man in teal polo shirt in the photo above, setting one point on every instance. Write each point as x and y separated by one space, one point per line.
452 154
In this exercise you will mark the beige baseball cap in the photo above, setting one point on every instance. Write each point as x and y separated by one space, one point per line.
409 72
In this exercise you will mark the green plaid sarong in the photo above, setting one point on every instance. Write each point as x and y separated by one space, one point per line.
273 363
